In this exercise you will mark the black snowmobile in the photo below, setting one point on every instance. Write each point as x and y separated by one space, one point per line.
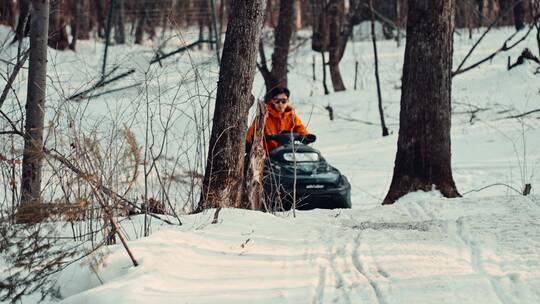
294 164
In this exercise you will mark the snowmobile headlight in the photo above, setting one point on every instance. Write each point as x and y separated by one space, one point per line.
301 157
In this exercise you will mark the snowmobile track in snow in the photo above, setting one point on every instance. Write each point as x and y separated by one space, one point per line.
319 290
477 265
360 268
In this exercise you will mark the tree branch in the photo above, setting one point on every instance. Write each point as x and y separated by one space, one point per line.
503 48
485 33
13 75
523 114
104 189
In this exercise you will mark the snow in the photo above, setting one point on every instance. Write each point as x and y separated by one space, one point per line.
482 248
423 249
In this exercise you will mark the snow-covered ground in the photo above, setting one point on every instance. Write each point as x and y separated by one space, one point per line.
482 248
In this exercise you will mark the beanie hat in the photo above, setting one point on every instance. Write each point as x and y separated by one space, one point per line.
276 91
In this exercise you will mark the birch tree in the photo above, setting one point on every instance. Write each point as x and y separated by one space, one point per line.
35 104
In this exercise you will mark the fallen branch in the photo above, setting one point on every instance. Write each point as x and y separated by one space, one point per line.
115 227
526 54
348 118
330 111
505 47
493 185
472 112
485 33
104 189
115 90
180 50
101 83
523 114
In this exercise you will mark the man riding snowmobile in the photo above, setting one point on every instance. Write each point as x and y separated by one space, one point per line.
281 117
295 174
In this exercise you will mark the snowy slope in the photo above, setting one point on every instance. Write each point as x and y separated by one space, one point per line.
424 249
482 248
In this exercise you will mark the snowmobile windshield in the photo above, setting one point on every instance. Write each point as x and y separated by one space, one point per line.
301 157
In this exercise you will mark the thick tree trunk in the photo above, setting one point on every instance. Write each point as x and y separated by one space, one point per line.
35 104
282 33
224 176
423 156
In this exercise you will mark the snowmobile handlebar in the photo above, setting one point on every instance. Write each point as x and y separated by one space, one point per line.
287 137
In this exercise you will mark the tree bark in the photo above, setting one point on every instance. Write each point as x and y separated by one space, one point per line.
256 160
23 22
58 38
82 19
519 14
74 8
337 42
282 33
119 29
319 41
7 13
35 104
423 159
141 23
224 175
100 16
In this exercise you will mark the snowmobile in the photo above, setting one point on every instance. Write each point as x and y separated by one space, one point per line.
296 174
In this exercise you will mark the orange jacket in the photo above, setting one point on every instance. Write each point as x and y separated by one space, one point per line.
276 123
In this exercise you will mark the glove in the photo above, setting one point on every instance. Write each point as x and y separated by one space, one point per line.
308 139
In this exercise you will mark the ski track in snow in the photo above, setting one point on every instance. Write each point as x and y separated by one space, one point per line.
483 248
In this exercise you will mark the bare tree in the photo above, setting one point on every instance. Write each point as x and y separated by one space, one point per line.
423 156
519 14
339 35
282 37
58 38
223 179
7 13
376 58
142 20
119 30
23 22
331 30
535 13
100 18
35 104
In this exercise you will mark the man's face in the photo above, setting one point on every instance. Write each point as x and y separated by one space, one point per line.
280 102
